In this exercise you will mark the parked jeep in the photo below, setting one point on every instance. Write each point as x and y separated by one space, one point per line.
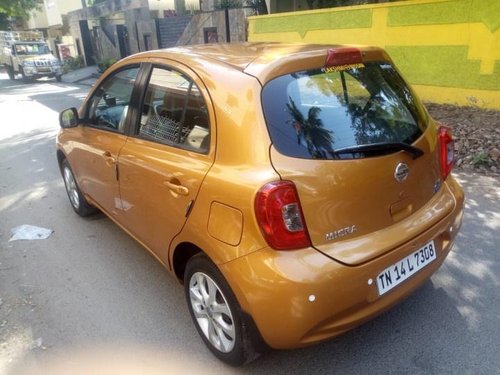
27 54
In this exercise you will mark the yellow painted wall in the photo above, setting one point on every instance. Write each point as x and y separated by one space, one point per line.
448 49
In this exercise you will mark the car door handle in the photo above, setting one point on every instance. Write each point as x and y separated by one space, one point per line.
176 188
108 158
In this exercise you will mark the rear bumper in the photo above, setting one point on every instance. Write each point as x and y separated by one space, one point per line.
297 298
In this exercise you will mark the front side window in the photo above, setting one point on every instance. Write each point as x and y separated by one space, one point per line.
174 111
313 114
110 102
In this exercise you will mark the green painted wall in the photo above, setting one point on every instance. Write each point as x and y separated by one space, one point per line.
485 11
437 44
446 66
302 23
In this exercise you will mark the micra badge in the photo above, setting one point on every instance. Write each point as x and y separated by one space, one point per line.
341 233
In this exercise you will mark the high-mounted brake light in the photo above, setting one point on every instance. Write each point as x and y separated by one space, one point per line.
279 214
343 56
446 151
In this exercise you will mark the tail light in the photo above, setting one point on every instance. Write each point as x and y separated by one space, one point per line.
343 56
446 151
279 214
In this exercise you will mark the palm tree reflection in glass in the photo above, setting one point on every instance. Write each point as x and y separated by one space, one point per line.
311 130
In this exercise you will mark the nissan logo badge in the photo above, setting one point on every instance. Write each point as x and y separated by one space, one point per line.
401 173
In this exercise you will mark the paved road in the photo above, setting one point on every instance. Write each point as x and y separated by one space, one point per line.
90 296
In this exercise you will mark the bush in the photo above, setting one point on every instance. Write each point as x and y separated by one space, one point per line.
229 4
72 63
481 159
102 65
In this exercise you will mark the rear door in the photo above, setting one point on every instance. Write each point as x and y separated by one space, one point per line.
337 134
165 160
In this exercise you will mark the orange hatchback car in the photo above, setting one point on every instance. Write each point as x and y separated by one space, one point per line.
296 191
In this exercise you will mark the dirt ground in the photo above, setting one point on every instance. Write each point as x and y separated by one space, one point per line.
477 136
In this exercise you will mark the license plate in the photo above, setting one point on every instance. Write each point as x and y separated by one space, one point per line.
402 270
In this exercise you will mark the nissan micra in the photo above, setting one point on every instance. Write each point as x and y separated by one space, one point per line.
295 191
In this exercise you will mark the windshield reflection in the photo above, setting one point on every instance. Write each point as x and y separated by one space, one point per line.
328 111
311 130
32 49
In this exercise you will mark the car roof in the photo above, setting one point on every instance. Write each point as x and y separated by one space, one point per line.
264 60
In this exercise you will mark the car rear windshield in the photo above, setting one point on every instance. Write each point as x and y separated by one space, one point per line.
315 113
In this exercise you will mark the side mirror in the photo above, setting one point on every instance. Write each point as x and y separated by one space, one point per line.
68 118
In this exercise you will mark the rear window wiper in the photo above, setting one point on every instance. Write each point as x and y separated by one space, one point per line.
378 148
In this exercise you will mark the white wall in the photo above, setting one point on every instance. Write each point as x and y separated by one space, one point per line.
53 14
38 19
50 13
66 6
161 5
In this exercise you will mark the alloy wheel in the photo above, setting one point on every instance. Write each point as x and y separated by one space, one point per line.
212 312
71 188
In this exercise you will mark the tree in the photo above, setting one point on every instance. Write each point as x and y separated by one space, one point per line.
4 22
18 8
259 6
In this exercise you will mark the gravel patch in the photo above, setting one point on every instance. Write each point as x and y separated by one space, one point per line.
477 136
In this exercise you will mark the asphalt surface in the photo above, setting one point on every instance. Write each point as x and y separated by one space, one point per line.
89 299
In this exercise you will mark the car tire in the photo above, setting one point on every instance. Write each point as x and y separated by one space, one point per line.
24 77
76 198
11 73
217 314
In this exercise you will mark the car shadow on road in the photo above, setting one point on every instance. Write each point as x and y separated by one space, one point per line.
450 325
409 338
91 284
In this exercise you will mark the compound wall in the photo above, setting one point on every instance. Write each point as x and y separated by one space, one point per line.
448 49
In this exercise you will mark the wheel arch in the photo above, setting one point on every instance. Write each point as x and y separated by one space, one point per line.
182 254
253 342
60 157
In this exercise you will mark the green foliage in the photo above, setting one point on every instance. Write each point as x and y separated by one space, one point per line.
259 6
102 65
95 2
222 4
18 8
4 22
481 159
73 63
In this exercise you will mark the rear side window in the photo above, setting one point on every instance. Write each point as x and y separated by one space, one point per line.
174 112
311 114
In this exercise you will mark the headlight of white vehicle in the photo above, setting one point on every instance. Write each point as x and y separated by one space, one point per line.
28 63
55 63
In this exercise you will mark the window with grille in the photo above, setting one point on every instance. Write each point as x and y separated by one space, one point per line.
174 111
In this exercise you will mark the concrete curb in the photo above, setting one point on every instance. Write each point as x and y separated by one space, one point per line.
86 76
